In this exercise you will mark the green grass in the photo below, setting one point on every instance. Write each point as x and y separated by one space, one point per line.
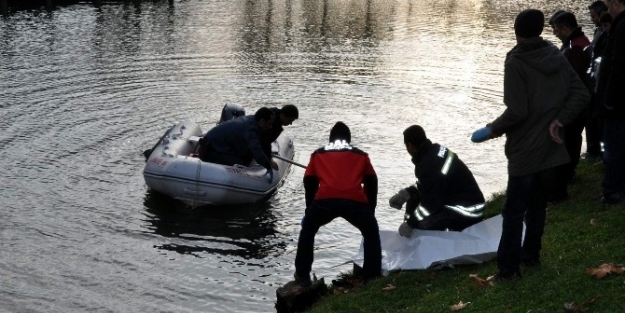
571 245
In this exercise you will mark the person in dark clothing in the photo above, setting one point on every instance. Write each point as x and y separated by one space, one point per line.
282 117
612 100
339 182
594 123
542 93
237 141
574 42
445 196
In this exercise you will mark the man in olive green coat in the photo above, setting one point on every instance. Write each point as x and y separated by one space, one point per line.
542 93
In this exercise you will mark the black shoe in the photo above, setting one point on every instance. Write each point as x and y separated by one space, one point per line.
343 282
610 200
303 281
531 262
503 277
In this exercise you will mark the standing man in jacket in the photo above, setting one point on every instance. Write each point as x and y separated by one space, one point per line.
574 43
612 99
237 141
445 196
339 182
541 93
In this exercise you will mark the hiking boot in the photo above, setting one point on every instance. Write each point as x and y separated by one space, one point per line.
303 281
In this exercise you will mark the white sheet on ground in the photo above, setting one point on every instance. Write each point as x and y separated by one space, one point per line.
426 248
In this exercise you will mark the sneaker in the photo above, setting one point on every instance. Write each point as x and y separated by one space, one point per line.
303 281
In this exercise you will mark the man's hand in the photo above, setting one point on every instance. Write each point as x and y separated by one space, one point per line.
481 134
554 131
398 200
405 230
274 165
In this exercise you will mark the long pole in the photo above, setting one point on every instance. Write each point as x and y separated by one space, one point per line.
289 161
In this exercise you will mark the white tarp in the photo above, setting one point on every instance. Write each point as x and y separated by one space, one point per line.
426 248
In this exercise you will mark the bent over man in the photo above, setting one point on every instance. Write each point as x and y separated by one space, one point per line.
237 141
446 195
339 182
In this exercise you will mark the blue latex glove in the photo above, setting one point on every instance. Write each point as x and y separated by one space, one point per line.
270 174
481 134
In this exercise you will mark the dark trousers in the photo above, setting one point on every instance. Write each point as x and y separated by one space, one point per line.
358 214
525 199
564 173
614 157
594 130
444 219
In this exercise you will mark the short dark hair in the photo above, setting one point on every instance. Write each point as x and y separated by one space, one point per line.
340 131
414 135
555 14
598 6
263 113
529 23
566 19
290 110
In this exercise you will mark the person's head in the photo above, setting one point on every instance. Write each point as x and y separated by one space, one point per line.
340 132
564 24
596 9
605 22
615 7
264 118
288 114
528 24
414 136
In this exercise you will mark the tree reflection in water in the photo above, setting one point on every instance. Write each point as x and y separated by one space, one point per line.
246 231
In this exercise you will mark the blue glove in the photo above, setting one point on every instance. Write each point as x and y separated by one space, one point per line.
270 174
481 134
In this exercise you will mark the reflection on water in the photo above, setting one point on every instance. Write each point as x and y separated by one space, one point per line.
239 231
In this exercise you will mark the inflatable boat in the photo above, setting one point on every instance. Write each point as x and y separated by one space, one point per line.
174 169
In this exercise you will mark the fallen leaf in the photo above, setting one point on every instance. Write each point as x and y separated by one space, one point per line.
593 222
605 269
481 281
389 287
571 307
461 305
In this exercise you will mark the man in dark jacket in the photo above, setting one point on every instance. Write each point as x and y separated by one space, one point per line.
541 93
612 99
237 141
282 117
339 182
573 44
446 195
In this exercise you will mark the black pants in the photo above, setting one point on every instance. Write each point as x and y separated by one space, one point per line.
565 172
525 200
358 214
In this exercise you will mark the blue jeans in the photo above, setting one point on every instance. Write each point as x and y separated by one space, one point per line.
358 214
613 183
525 199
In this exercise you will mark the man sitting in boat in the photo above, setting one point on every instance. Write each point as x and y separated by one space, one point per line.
282 117
238 141
446 195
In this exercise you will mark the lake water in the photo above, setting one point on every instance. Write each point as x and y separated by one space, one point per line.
83 91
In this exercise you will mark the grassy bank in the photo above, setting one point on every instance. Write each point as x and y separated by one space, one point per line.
579 235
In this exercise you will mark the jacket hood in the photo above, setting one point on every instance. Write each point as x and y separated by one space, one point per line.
539 54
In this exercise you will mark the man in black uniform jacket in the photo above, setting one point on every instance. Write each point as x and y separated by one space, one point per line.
446 195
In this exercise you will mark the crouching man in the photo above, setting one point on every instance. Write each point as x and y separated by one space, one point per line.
446 195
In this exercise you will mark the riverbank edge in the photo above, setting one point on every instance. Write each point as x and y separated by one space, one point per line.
579 235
